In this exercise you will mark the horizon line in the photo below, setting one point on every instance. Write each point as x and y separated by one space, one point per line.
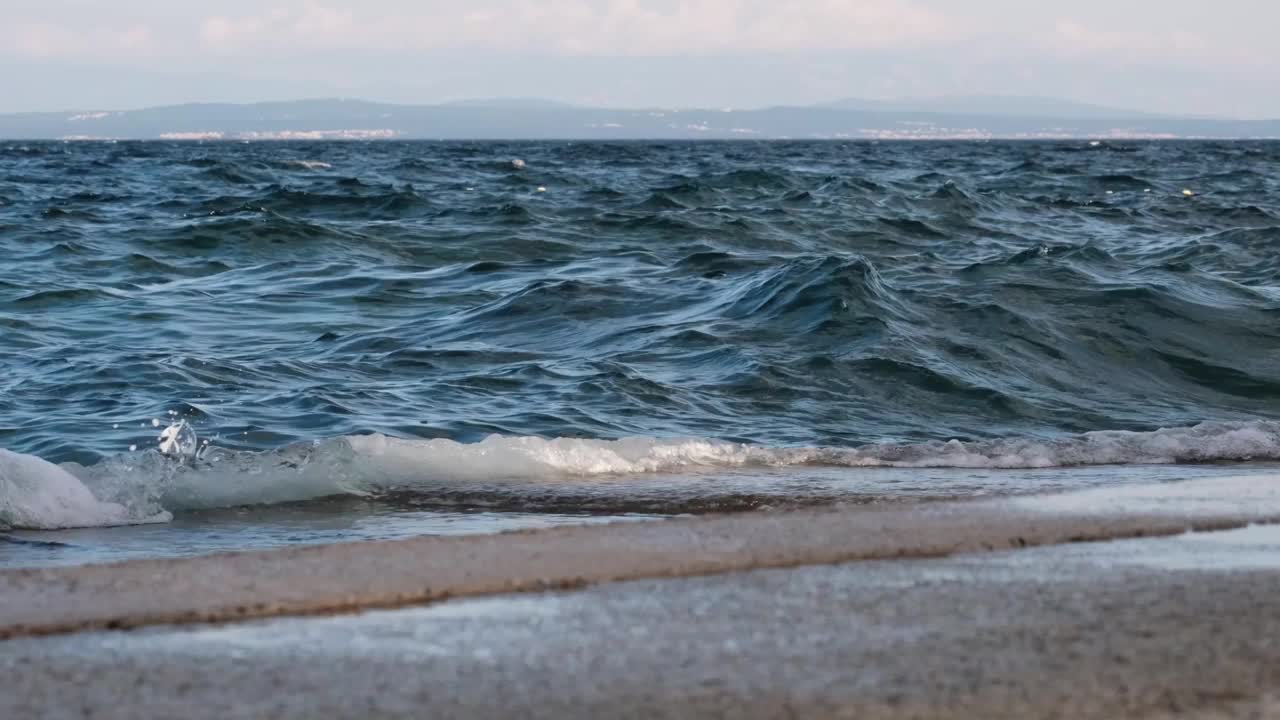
534 104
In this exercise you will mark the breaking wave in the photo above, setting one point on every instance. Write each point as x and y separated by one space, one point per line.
838 306
148 486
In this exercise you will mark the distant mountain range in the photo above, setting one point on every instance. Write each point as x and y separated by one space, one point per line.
961 117
1000 105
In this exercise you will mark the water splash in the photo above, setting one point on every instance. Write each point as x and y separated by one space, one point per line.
179 440
144 486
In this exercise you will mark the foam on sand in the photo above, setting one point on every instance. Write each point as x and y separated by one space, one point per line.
355 576
1217 495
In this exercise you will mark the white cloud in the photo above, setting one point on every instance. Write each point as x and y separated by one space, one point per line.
308 25
1183 56
588 27
1075 37
52 40
1172 45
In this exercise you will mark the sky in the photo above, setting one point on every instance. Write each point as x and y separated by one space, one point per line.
1177 56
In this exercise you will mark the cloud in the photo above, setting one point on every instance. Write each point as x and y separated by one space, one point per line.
51 40
587 27
309 25
1171 45
1074 37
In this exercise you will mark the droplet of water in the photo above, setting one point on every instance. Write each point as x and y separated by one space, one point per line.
180 440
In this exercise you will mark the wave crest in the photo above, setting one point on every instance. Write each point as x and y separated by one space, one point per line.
147 486
39 495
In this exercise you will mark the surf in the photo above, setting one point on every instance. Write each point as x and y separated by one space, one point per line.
182 474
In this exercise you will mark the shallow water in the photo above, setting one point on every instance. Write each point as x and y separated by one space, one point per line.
518 505
266 527
797 313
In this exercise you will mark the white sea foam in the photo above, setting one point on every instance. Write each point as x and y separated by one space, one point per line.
40 495
141 486
1207 442
1256 495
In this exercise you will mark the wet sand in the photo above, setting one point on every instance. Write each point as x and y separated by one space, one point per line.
354 576
1079 631
846 612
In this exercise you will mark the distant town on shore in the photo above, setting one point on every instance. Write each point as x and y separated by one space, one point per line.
953 118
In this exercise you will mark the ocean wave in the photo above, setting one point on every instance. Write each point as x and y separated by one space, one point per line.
37 494
782 294
147 486
306 164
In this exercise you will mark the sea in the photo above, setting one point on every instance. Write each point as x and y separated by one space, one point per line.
231 346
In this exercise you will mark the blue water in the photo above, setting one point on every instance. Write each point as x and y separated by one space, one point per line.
724 305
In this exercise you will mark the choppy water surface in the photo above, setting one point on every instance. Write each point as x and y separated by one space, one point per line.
736 314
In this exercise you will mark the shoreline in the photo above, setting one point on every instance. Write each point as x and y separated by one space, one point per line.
1165 627
354 577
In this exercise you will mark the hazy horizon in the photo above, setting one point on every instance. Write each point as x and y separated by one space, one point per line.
1184 59
891 103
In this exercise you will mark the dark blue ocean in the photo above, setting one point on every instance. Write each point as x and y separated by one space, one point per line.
564 331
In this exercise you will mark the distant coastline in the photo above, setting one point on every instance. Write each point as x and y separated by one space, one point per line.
335 119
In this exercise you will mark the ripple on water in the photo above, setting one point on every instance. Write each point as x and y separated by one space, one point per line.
786 294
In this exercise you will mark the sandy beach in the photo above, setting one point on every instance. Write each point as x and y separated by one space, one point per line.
1053 606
